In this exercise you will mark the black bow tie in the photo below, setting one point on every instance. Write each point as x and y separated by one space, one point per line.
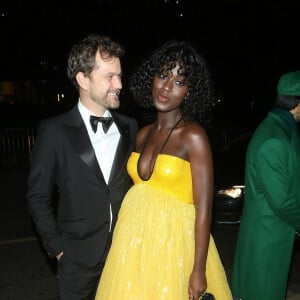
106 122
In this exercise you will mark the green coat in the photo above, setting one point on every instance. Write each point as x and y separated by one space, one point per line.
271 210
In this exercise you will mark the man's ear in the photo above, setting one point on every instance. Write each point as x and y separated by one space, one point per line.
296 113
82 80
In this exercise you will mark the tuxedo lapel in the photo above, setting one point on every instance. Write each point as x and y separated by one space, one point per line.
77 135
122 150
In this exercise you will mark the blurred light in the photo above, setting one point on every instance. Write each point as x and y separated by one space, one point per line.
59 97
7 88
235 191
218 101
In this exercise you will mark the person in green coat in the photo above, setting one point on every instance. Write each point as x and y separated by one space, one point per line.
271 212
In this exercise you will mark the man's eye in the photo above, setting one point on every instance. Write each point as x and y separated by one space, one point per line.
110 77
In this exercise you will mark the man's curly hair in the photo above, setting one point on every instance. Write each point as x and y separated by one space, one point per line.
83 54
200 97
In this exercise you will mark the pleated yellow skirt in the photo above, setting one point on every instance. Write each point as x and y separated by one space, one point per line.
152 253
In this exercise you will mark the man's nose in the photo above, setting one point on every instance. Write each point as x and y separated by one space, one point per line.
117 82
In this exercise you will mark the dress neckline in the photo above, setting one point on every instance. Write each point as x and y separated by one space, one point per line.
159 152
164 155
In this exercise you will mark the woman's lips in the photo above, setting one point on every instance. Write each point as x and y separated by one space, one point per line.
162 98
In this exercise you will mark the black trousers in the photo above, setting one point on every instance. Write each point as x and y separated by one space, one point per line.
76 282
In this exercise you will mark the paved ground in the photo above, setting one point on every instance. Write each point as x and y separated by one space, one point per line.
27 274
225 238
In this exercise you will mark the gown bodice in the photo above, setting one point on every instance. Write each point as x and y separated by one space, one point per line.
171 174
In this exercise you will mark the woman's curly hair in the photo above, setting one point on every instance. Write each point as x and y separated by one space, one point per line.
200 97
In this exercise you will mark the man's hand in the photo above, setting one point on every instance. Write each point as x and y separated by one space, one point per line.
58 257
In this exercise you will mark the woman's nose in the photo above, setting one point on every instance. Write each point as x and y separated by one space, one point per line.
167 85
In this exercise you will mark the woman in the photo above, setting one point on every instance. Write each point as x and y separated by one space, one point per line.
162 247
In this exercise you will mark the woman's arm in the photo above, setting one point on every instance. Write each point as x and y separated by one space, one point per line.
200 157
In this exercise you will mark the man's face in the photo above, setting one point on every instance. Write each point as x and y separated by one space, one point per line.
105 82
296 113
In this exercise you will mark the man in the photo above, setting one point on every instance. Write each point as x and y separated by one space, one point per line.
88 165
271 212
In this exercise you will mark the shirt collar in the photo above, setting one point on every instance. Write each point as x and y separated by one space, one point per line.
86 113
287 117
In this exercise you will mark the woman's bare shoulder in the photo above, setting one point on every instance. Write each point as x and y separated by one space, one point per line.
193 129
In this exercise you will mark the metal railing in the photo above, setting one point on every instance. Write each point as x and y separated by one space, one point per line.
16 146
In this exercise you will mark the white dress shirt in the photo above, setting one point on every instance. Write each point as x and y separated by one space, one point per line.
104 145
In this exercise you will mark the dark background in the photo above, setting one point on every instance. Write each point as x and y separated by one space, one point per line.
247 44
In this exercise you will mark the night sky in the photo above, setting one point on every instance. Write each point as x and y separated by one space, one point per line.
247 45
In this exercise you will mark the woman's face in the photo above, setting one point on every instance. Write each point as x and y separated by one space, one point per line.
169 89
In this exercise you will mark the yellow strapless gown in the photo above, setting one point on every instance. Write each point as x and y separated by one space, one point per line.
152 252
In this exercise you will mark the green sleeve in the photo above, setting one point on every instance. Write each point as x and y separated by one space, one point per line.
275 174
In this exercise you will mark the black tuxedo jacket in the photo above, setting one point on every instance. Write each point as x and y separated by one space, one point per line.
63 156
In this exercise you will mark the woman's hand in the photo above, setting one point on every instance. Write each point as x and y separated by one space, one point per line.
197 285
